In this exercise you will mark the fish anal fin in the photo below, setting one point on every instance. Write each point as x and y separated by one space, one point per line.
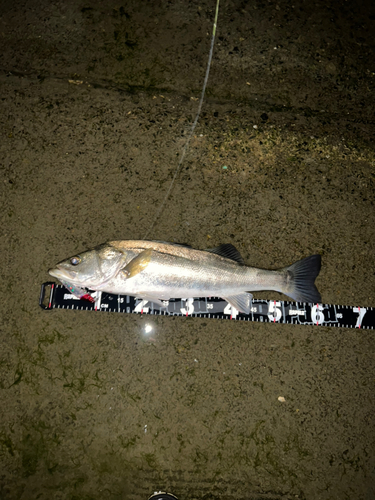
241 301
228 251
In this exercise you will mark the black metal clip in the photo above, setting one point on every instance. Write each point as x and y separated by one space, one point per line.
44 294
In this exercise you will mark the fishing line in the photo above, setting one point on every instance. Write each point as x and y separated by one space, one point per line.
192 128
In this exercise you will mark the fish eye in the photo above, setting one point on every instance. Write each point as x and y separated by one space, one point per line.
75 260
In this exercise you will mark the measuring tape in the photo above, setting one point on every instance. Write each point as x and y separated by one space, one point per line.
53 296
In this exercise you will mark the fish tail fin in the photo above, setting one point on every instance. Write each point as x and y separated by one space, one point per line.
300 278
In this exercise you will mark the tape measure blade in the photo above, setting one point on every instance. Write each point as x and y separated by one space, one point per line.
263 311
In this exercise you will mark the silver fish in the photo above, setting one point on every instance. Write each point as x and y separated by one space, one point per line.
156 271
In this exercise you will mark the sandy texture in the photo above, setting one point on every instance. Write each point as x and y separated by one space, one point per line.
97 99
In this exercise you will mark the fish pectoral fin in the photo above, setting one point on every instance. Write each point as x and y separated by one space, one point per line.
242 301
138 264
151 298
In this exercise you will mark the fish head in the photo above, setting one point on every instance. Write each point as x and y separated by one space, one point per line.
91 268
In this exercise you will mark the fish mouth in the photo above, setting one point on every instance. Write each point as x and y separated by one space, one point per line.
62 274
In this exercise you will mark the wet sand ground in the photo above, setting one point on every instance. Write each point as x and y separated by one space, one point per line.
97 99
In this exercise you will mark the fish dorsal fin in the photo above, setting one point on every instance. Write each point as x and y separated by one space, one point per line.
171 243
229 252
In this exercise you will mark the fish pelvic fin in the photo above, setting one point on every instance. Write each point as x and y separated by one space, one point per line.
151 298
300 278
